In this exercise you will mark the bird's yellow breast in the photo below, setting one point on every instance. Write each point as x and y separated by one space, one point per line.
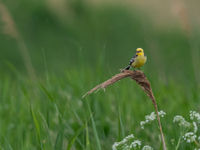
139 61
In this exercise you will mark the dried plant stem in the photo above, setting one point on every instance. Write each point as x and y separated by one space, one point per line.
185 21
143 82
159 123
10 29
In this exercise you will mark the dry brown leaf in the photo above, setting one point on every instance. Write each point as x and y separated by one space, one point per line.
136 75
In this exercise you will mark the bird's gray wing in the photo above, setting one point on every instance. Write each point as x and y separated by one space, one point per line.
132 59
130 62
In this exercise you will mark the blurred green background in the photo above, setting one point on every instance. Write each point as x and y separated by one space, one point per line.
62 48
75 33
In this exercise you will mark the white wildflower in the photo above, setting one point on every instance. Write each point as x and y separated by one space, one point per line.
161 113
114 146
131 136
123 147
189 137
195 116
198 138
128 143
142 123
147 147
181 121
151 117
195 127
126 147
123 142
135 144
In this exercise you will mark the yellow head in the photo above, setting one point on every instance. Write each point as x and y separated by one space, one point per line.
139 52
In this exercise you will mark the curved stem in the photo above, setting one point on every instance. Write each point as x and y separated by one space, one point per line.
159 123
179 141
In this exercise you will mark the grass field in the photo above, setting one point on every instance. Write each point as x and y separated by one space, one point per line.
46 111
50 113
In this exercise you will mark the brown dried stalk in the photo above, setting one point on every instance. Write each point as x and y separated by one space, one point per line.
142 81
10 29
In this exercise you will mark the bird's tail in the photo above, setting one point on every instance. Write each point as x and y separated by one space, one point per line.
128 67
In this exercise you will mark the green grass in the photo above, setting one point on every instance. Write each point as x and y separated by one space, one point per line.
71 56
52 115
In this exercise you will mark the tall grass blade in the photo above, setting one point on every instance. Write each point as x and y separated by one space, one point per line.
120 127
46 127
59 140
8 146
73 139
37 126
94 129
87 137
12 68
47 93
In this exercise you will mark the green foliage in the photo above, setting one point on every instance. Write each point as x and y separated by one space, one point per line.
61 123
70 55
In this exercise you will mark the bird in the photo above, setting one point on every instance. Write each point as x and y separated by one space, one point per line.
138 60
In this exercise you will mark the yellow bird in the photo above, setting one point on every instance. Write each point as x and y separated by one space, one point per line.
138 60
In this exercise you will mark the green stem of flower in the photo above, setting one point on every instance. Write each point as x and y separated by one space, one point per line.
178 144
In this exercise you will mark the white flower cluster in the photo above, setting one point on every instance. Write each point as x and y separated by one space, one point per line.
195 116
123 143
151 117
189 137
161 113
129 143
147 147
135 144
195 127
181 121
190 128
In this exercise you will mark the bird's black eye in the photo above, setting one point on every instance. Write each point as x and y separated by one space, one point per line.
139 51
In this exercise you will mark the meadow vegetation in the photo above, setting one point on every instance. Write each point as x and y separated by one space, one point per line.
71 54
